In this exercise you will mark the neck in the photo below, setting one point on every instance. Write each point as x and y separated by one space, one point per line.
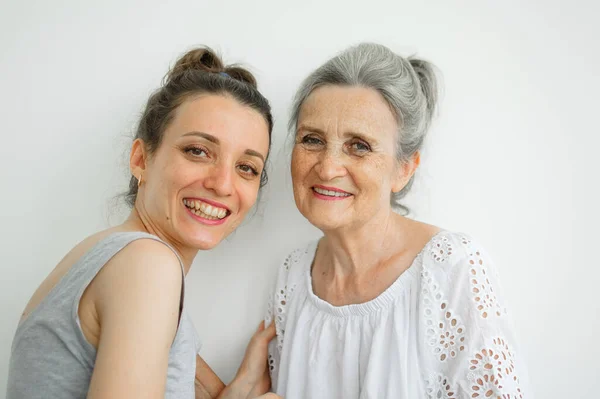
137 221
356 250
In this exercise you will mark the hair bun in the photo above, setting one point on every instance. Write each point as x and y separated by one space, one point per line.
205 59
199 59
428 79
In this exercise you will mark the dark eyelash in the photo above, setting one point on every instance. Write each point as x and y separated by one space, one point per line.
253 170
190 148
308 139
368 147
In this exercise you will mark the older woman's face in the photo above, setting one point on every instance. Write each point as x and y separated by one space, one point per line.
343 163
205 175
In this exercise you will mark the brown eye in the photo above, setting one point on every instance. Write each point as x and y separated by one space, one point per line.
198 152
247 169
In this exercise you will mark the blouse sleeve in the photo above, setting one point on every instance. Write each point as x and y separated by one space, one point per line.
274 354
469 340
277 306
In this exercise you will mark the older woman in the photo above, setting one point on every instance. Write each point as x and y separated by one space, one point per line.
381 306
110 320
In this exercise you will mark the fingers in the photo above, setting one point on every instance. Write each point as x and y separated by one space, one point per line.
261 326
263 334
269 396
254 368
270 332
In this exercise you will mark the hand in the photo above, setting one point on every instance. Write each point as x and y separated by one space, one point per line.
254 372
269 396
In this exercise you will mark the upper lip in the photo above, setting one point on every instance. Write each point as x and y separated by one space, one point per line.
337 190
210 202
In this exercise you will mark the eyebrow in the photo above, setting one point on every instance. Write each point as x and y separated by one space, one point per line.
206 136
253 153
216 141
346 134
310 129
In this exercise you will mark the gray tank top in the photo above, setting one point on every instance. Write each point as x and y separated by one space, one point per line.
50 356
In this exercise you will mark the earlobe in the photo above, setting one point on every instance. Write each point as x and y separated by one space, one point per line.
416 160
400 183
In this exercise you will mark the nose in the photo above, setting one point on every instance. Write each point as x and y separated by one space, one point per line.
331 165
220 180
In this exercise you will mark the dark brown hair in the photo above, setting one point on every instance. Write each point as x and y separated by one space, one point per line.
198 71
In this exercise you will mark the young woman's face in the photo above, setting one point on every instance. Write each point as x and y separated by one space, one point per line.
205 175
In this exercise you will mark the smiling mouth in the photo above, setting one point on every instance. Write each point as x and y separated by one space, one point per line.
331 193
205 210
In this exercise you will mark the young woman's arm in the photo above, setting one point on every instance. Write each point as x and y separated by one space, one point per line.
137 296
208 384
252 378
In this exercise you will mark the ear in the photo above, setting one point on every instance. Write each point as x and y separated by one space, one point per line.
137 158
405 171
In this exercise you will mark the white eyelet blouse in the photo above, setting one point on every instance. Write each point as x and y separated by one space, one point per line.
439 331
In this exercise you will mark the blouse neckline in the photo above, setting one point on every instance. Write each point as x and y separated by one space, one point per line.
380 302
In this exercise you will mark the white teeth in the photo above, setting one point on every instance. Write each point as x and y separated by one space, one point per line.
205 210
330 193
202 214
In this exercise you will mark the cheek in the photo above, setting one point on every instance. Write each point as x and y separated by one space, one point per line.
301 163
165 176
248 194
372 174
181 174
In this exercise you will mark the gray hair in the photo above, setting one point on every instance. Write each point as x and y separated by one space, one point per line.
409 85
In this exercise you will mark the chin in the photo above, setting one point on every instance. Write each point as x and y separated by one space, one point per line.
205 243
323 222
201 239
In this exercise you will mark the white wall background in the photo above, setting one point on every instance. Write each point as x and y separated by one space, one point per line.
513 159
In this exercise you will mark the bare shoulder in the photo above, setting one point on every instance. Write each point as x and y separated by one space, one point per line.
147 252
137 296
141 266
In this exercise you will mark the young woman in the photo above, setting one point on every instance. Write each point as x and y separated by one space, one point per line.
110 320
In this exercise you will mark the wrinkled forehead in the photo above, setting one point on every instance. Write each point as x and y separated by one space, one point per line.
347 108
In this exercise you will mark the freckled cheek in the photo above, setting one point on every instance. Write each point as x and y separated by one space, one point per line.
372 174
296 164
302 162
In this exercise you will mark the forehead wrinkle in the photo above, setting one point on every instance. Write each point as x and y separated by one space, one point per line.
348 114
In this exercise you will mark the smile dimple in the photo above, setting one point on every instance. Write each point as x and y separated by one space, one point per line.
204 210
